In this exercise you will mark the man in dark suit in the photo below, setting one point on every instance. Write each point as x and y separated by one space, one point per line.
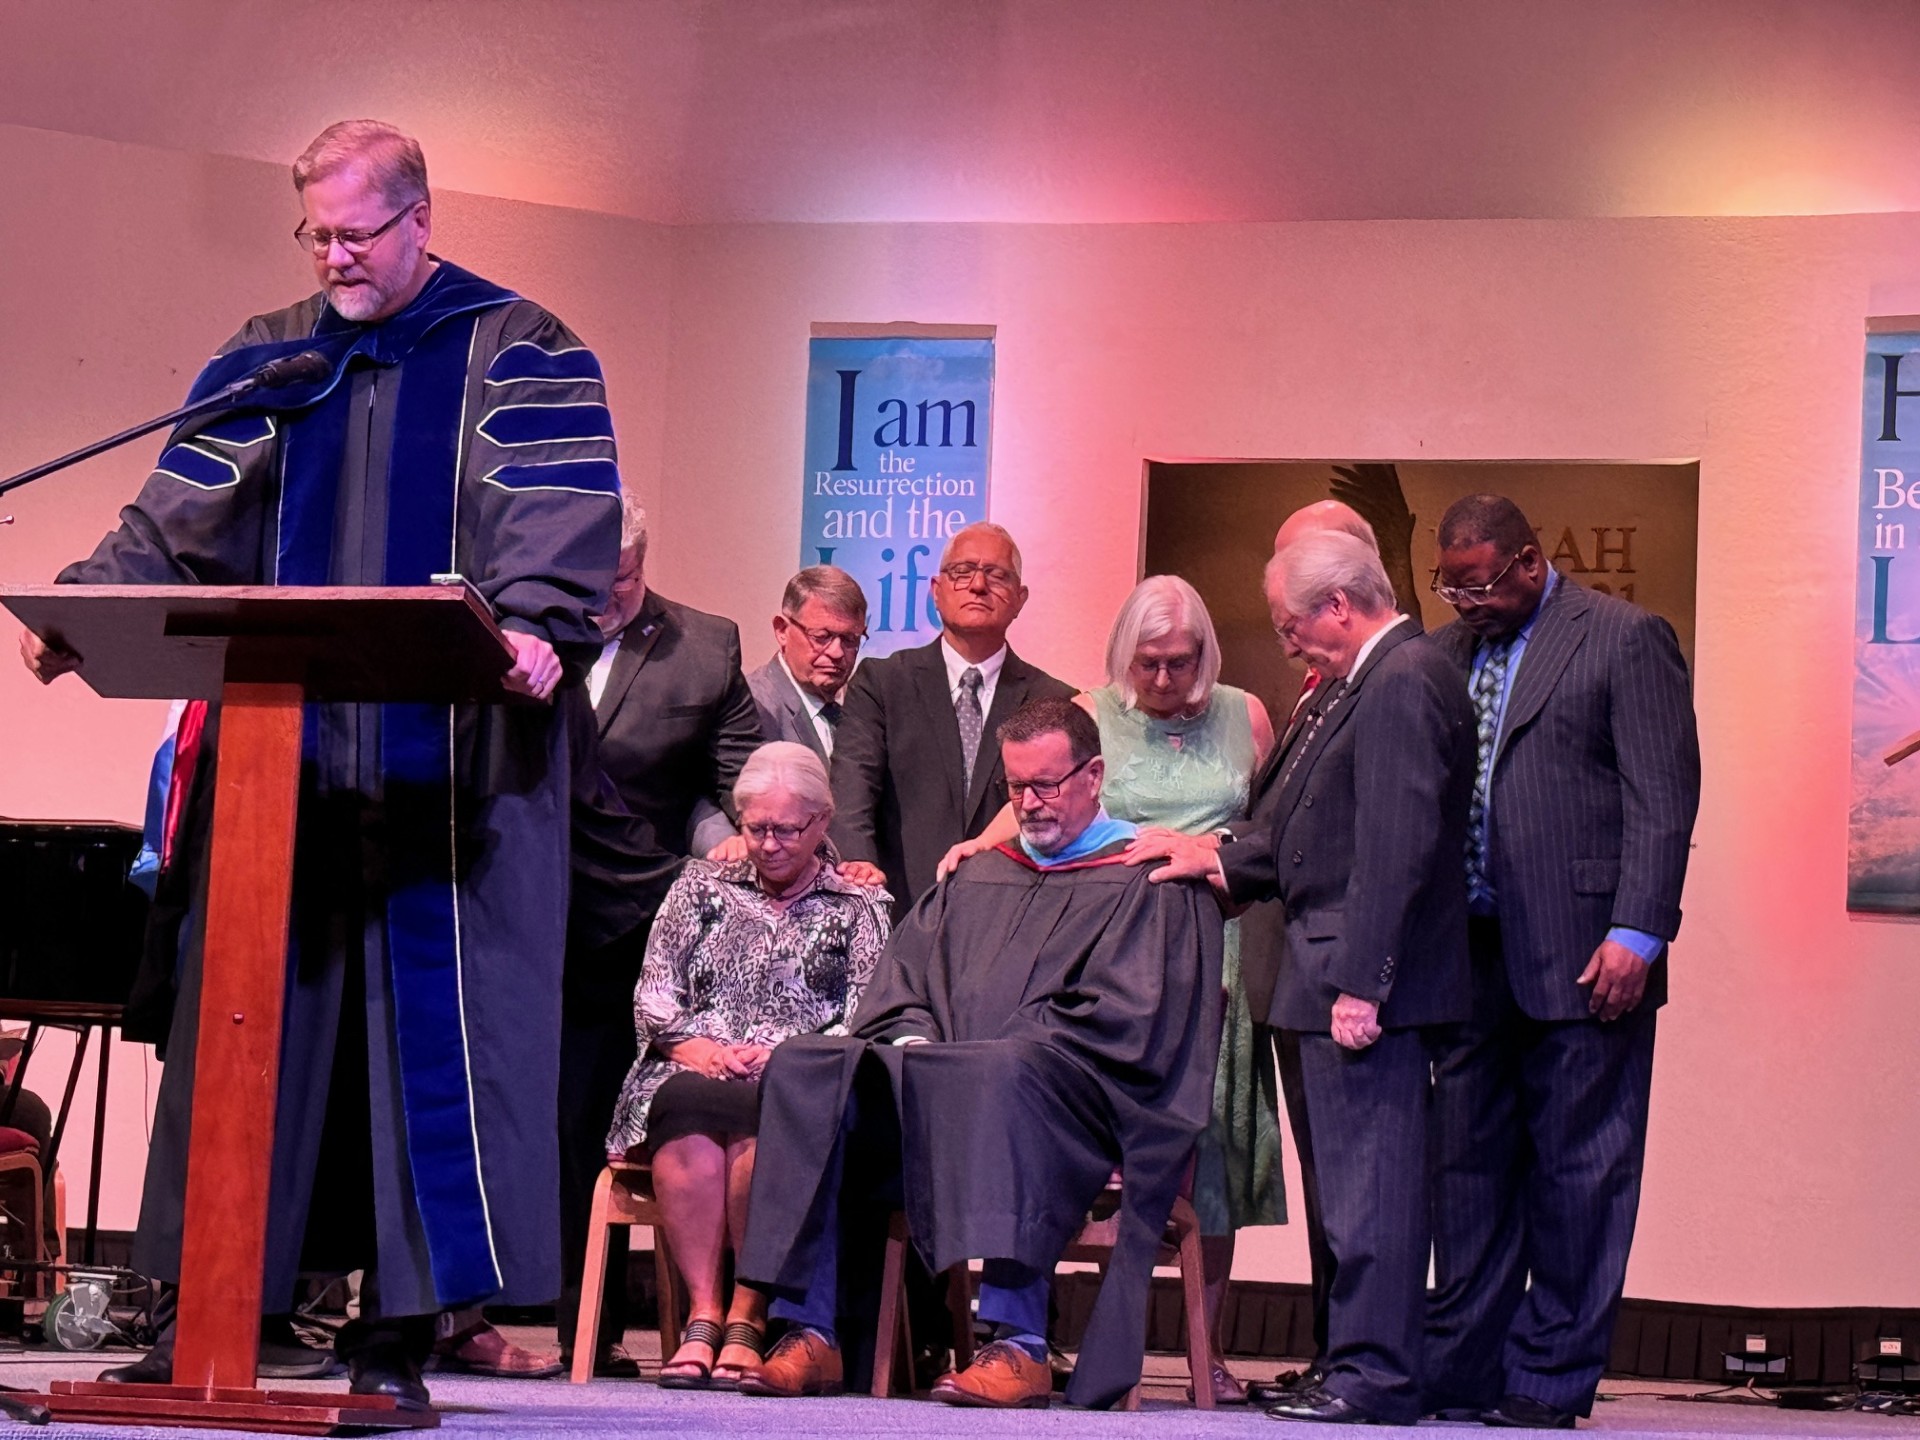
819 630
1587 781
1362 851
1263 938
915 767
674 722
676 719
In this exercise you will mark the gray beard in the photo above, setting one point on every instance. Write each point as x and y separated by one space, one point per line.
356 302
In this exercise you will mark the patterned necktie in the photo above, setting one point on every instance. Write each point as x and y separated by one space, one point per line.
1325 698
1488 684
966 709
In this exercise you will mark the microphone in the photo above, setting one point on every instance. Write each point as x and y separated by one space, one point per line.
301 369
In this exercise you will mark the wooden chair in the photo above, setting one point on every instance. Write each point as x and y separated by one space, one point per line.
20 1156
893 1336
623 1196
1180 1246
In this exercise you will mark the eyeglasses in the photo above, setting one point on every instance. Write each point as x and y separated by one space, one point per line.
1045 789
781 834
822 640
1288 627
1177 668
354 242
962 573
1469 594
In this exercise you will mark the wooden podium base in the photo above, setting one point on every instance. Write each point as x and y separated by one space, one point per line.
285 1412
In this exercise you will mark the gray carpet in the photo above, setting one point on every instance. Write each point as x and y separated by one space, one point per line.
536 1409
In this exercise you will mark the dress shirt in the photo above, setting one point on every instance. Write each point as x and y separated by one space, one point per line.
603 667
989 668
814 706
1646 946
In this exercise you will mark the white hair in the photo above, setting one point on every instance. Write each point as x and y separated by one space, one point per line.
983 527
1162 605
633 526
787 767
1317 566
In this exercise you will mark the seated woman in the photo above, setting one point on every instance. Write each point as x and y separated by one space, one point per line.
743 955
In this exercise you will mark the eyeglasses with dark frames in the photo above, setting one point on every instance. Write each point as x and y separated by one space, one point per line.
1045 789
354 242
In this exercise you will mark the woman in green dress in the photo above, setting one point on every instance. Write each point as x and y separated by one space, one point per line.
1181 752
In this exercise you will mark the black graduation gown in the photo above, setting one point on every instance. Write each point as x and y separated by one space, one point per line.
1080 1013
526 466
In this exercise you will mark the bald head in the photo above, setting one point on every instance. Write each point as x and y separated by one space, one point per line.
1319 517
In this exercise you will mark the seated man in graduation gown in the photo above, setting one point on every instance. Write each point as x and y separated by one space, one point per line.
1041 1018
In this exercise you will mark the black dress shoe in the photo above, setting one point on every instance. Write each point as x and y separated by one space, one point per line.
153 1368
388 1373
1522 1412
1318 1405
1284 1386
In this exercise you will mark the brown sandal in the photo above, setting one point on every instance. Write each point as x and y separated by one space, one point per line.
747 1336
693 1374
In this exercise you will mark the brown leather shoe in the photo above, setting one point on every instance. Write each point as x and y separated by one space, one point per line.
1227 1389
1003 1376
801 1364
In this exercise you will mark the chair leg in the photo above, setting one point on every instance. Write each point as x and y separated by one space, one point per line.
892 1342
672 1304
960 1307
586 1324
1193 1283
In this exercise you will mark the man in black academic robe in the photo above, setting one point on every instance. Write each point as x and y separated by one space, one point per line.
457 428
1041 1017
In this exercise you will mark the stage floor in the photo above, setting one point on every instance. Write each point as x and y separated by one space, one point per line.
541 1408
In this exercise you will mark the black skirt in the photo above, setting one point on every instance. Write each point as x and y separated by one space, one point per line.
690 1104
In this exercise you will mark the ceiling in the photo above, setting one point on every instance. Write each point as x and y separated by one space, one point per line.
728 111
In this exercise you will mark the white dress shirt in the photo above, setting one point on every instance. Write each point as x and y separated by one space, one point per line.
958 665
603 667
814 706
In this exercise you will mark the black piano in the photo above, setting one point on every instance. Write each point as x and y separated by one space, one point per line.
72 928
71 922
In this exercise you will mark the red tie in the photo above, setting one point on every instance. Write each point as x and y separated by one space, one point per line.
1307 687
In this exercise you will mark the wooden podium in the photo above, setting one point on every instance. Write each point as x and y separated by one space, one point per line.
262 652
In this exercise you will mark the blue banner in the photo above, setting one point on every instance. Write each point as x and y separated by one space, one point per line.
1883 836
897 452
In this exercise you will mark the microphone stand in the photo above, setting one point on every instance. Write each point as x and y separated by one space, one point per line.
246 385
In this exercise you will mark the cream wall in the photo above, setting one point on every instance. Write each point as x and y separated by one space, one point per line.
1787 1087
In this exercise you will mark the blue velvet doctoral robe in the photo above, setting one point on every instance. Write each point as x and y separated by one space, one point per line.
468 433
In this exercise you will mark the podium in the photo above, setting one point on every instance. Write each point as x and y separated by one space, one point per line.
262 652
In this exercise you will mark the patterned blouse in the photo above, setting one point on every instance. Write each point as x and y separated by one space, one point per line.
724 964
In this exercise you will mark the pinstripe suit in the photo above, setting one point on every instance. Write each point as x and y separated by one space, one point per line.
1363 851
1541 1110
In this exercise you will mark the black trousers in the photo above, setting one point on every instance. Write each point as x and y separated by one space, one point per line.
1372 1105
1286 1047
597 1049
1540 1132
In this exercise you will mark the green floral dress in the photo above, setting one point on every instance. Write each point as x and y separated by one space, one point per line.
1193 775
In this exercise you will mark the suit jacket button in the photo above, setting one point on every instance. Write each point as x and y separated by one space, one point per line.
1307 800
1298 858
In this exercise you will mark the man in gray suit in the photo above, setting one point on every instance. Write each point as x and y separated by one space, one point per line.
819 630
916 769
1586 784
1362 850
